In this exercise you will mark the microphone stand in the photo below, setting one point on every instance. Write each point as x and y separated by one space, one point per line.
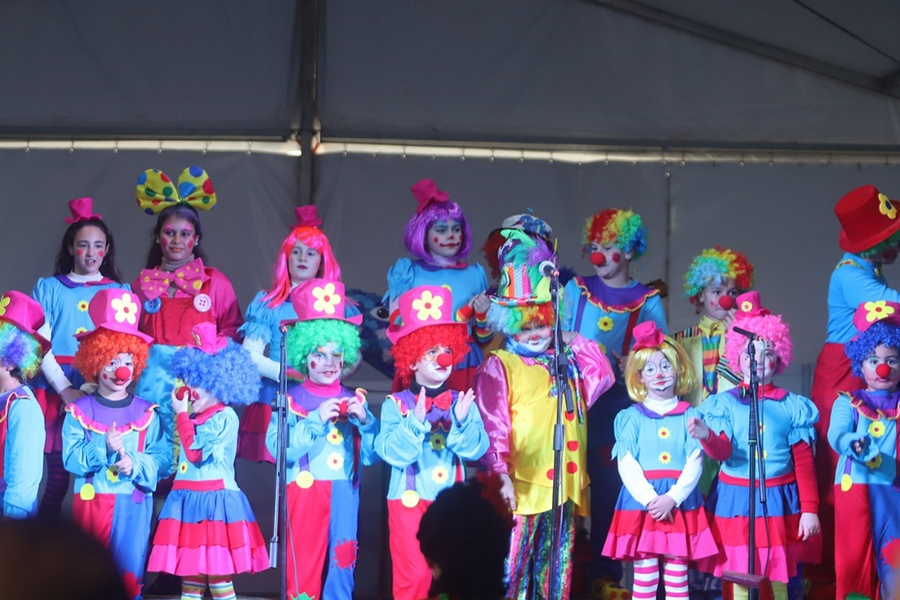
754 439
278 542
562 393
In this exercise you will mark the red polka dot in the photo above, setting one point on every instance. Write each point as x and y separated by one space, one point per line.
572 466
549 473
572 445
570 416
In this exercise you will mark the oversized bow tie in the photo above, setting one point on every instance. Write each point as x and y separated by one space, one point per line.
441 401
188 278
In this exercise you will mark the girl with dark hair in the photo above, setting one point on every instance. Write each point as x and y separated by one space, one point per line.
438 237
177 289
304 254
85 265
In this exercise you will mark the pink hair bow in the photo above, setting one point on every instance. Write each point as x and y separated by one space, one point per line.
425 191
307 216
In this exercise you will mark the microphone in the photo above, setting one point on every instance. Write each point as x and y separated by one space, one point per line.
745 333
548 269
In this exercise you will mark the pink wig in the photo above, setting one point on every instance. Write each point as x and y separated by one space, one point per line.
311 237
771 328
421 222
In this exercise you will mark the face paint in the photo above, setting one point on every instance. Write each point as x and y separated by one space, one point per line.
434 367
116 376
444 238
881 369
325 363
87 250
658 375
616 257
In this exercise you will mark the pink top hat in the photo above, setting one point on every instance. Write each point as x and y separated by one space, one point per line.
24 312
420 307
307 216
868 313
206 338
647 335
749 305
426 191
867 218
321 299
115 309
82 210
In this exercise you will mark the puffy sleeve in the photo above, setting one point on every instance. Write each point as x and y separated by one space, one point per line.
401 278
716 413
468 439
155 457
803 418
690 443
210 436
258 320
597 374
492 398
400 442
571 295
23 457
842 431
626 427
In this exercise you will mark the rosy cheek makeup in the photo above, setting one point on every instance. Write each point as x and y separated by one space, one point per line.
313 365
79 252
616 257
100 253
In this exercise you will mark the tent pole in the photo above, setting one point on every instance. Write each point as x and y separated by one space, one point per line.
308 21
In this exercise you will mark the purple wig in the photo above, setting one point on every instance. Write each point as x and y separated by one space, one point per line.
421 222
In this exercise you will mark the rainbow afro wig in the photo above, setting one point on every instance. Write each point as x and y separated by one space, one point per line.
228 375
771 328
617 227
862 346
305 336
19 351
715 265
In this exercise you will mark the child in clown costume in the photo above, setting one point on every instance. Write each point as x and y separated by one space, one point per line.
863 431
788 534
605 307
304 254
176 289
427 430
207 531
660 521
331 434
869 237
85 264
516 391
21 422
112 440
439 239
713 280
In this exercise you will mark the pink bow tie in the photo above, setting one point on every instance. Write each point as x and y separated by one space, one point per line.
188 278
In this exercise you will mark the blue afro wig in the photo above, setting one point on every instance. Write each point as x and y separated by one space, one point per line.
864 345
229 375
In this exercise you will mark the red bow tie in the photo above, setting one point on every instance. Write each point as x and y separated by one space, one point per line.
188 278
442 401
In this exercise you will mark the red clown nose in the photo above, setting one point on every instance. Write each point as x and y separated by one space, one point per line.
183 393
726 302
445 360
883 371
598 259
123 373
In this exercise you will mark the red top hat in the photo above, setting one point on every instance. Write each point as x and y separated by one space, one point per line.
206 338
867 218
420 307
321 299
115 309
25 313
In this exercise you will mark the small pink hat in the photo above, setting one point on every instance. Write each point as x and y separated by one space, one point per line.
307 216
426 191
82 210
421 307
647 335
206 338
24 312
321 299
868 313
115 309
749 305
